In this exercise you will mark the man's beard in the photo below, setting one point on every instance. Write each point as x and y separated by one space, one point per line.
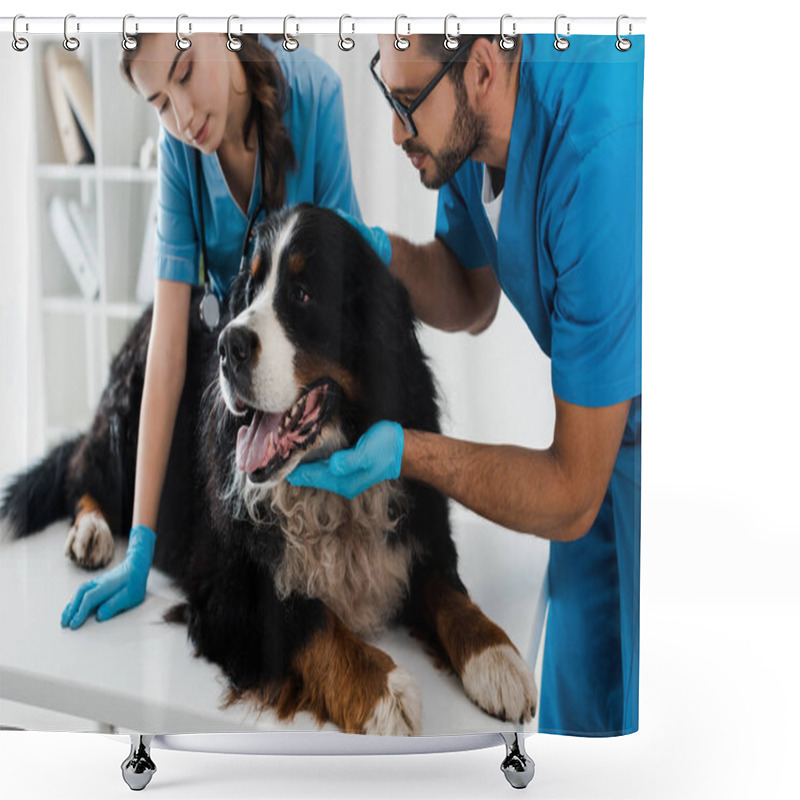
466 134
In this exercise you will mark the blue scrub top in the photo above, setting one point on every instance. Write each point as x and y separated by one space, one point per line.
568 255
314 118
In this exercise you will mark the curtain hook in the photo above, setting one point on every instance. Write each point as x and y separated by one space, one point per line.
233 44
182 43
451 42
400 42
623 45
289 42
561 43
128 42
70 42
345 42
18 42
506 42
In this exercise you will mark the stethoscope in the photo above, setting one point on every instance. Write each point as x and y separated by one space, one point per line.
209 305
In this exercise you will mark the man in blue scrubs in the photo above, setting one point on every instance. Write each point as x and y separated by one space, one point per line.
537 157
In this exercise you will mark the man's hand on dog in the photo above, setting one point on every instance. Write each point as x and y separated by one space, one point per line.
376 457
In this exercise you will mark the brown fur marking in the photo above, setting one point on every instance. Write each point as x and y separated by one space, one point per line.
309 367
297 263
335 676
86 505
460 626
255 265
339 677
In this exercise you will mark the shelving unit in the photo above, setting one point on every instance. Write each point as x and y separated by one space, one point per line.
81 336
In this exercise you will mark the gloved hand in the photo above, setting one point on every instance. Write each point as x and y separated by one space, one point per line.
118 589
376 237
376 457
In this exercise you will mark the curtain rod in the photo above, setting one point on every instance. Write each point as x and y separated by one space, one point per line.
294 25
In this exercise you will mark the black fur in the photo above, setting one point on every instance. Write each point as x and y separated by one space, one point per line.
358 317
29 502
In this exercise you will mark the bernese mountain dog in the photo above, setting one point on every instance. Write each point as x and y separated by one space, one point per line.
281 582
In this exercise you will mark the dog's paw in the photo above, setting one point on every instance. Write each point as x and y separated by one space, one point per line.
89 541
500 682
399 711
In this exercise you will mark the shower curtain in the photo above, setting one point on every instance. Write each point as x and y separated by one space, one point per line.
491 585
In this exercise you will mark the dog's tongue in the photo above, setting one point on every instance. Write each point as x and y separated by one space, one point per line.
253 446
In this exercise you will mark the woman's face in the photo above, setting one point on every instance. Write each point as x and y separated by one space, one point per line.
191 90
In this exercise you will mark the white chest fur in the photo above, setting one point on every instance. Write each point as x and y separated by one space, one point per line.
339 551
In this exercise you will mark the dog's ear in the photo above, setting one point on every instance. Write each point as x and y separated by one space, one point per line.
239 294
394 374
237 300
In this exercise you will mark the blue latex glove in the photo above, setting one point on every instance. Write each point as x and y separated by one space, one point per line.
376 457
118 589
376 237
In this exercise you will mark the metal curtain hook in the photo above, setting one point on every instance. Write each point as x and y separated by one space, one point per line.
345 42
623 45
451 42
128 42
289 42
70 42
18 42
400 42
506 42
233 44
561 43
181 42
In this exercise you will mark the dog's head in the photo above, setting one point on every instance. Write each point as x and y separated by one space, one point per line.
301 362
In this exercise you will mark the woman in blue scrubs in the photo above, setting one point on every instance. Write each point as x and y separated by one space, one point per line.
241 133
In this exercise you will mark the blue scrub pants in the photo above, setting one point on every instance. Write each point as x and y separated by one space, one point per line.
590 675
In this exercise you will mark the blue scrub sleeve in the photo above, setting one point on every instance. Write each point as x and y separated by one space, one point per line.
177 246
454 227
333 178
596 248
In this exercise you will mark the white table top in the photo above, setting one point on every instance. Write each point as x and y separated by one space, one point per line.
138 673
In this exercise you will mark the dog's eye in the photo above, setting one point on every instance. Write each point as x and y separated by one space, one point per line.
300 295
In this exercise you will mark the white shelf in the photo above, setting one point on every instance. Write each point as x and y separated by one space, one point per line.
131 311
81 336
80 305
82 172
66 172
70 305
129 174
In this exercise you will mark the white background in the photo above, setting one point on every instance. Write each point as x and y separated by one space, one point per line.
720 604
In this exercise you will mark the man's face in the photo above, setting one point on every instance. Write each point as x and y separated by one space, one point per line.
448 129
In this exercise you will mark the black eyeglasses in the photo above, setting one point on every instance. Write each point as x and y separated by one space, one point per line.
404 111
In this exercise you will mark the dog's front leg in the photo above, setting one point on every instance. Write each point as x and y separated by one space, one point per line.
491 669
358 687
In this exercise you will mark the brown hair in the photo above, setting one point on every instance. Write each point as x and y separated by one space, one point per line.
433 45
267 84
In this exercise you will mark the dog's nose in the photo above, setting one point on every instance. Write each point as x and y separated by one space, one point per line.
235 346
